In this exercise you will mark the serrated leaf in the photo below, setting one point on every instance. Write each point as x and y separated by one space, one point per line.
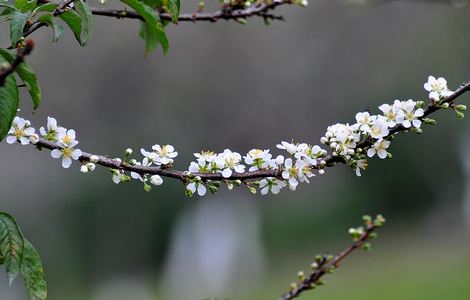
174 8
57 29
83 9
74 21
11 245
153 32
33 273
9 100
28 76
17 23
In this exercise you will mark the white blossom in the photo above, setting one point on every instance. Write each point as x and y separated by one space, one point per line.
66 141
437 88
258 159
293 172
197 186
20 131
271 184
361 164
379 148
230 160
365 120
52 129
378 128
408 116
390 113
165 154
291 148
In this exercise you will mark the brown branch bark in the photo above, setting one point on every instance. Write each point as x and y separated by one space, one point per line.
325 265
182 175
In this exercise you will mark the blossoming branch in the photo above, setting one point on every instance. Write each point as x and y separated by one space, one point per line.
351 144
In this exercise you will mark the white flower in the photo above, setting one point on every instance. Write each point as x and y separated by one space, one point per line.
197 186
88 167
379 148
365 120
52 130
156 180
437 88
408 116
207 156
165 153
390 113
291 148
230 160
361 164
293 172
66 138
271 184
343 138
66 141
258 159
149 157
379 128
20 131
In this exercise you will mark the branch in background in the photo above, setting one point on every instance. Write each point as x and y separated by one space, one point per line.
256 10
328 161
327 264
63 6
20 56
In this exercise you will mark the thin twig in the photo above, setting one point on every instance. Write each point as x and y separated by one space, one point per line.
325 265
21 53
330 160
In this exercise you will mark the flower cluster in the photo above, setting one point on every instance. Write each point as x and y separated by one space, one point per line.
64 139
350 143
344 139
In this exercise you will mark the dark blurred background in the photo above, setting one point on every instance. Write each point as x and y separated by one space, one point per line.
235 86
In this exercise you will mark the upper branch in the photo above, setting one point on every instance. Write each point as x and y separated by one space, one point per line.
256 10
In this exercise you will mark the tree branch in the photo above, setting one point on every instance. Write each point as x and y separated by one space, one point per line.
326 264
20 56
328 161
256 10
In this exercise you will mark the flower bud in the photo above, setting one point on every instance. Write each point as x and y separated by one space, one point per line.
34 138
156 180
94 159
133 162
420 104
91 166
128 151
461 107
323 140
84 169
429 121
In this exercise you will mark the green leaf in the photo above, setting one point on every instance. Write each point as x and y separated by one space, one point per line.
28 76
33 273
20 3
49 7
174 8
152 32
83 9
49 20
154 3
9 100
74 21
11 245
17 23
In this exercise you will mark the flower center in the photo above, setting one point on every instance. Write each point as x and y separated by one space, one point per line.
67 152
19 132
67 139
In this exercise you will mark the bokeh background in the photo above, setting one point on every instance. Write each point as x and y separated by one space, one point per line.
235 86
